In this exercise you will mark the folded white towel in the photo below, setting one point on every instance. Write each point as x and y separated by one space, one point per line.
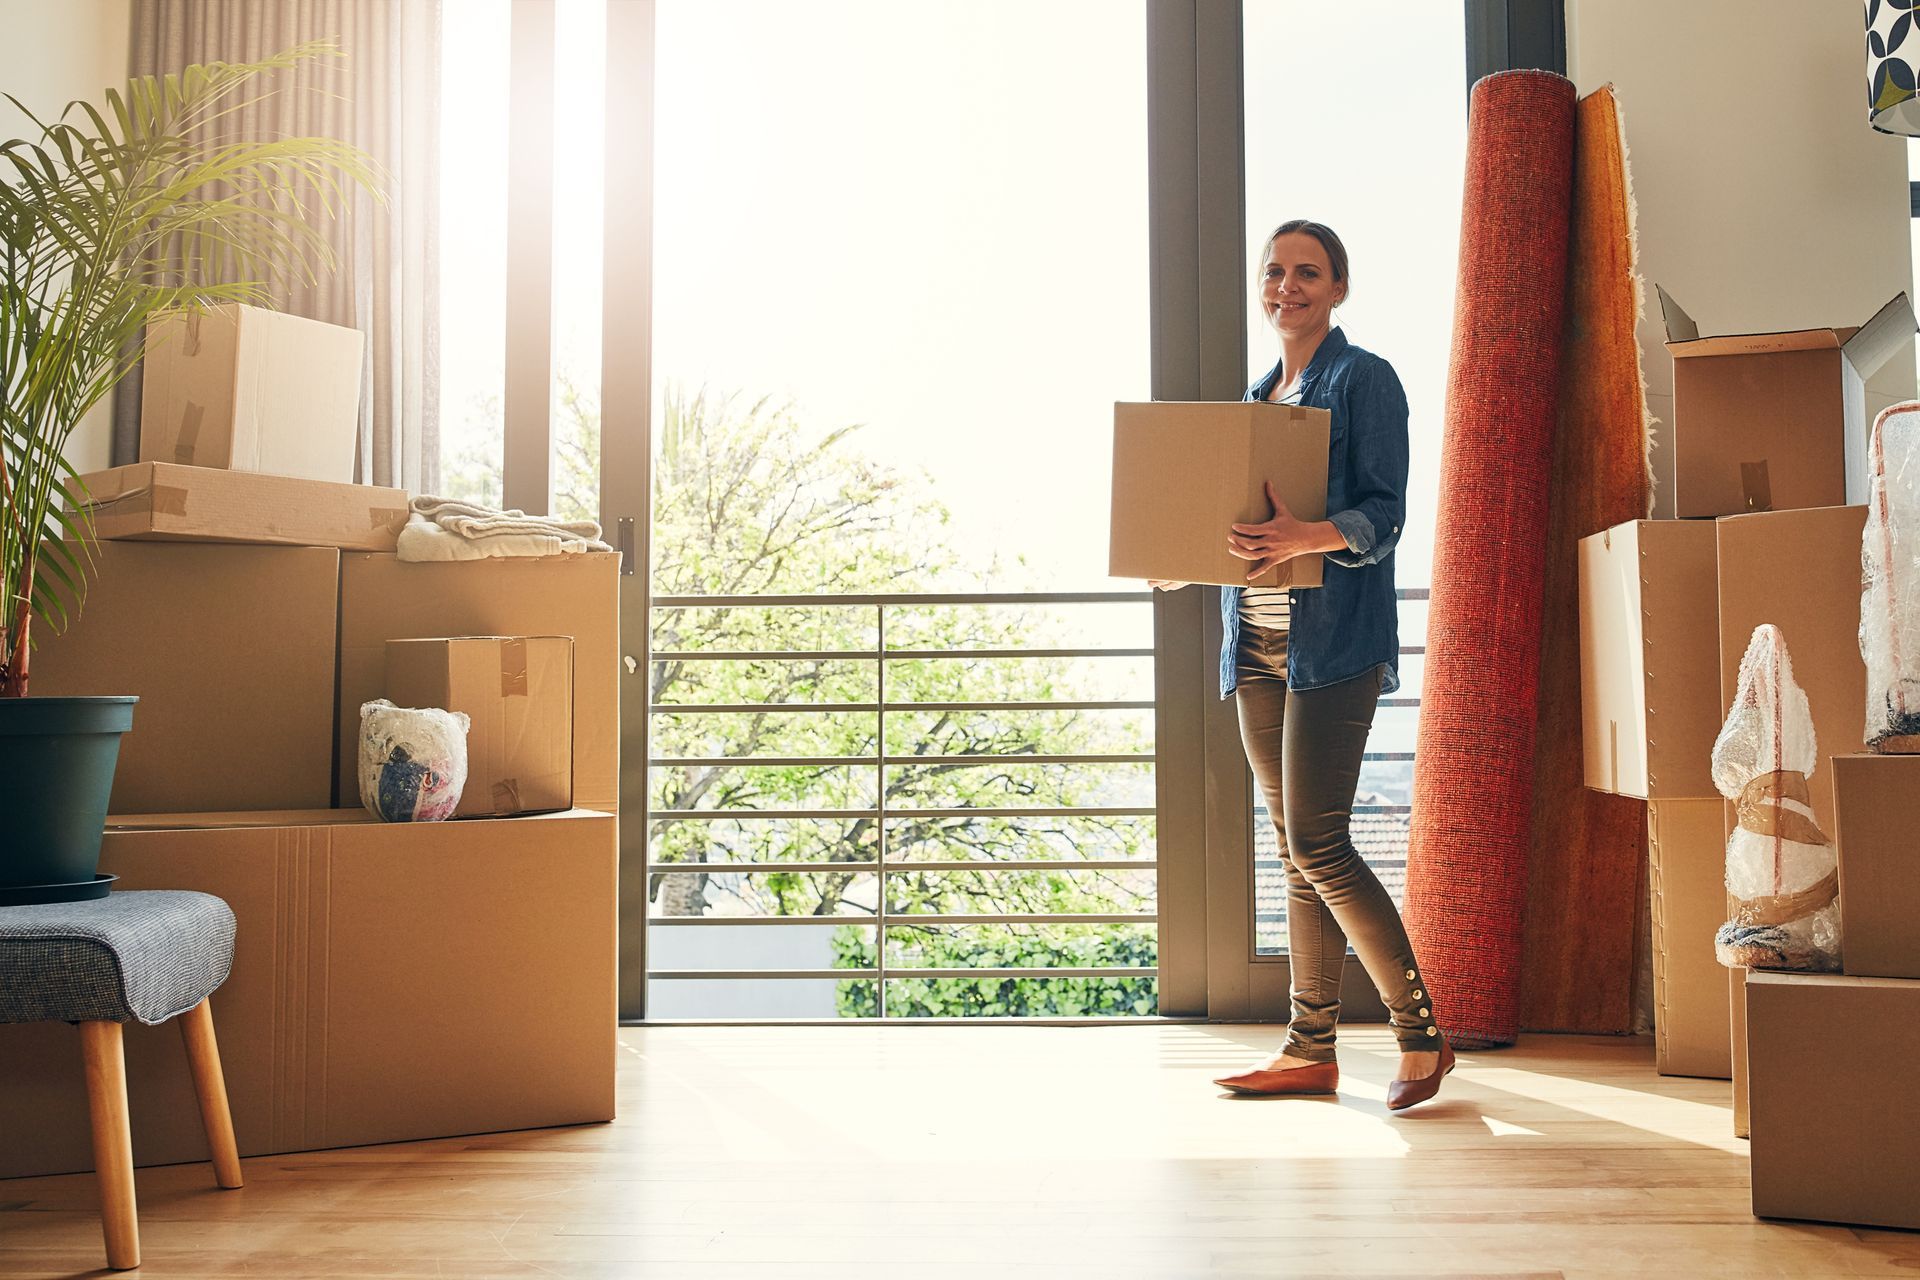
422 539
448 529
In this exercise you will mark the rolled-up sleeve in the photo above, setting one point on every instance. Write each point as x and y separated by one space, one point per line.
1376 468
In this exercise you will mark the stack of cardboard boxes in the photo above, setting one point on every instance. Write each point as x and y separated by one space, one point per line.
1769 439
390 981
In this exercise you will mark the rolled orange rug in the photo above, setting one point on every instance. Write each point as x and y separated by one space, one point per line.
1589 851
1474 759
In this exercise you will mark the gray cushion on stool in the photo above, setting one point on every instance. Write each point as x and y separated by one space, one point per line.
137 956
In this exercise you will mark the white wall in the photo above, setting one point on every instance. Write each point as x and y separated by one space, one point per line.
1765 200
55 51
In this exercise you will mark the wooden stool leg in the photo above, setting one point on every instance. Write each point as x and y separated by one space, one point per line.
112 1141
210 1084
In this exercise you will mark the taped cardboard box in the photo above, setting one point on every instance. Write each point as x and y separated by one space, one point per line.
1692 1026
517 694
1835 1135
231 651
390 982
1876 832
383 598
1649 652
1183 472
1799 570
162 502
249 389
1737 1012
1774 421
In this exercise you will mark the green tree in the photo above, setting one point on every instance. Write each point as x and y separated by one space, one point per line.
746 502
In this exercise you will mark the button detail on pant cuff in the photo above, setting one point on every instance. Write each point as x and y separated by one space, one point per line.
1433 1031
1425 1012
1418 994
1411 975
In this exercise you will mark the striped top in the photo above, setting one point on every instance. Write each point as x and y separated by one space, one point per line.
1269 607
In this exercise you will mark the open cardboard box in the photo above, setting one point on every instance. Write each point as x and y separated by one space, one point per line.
1185 471
1774 421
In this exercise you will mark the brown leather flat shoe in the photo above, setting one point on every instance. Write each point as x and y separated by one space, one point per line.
1402 1094
1316 1078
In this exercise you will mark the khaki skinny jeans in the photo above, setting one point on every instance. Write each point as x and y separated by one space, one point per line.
1305 748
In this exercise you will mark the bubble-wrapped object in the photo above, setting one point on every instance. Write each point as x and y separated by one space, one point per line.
413 761
1780 866
1890 565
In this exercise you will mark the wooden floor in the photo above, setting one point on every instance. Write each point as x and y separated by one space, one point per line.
1000 1151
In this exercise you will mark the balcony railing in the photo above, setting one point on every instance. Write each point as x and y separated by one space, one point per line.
882 657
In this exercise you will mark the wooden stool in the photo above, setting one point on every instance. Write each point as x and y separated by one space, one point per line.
144 957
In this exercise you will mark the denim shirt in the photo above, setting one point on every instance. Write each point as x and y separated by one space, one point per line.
1351 623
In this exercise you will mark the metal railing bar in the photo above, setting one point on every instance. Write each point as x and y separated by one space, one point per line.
1108 705
902 599
971 811
747 708
868 922
896 973
714 762
898 868
865 655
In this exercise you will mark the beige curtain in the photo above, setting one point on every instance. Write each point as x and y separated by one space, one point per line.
384 97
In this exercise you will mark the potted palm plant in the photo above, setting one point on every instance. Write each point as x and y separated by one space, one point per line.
109 219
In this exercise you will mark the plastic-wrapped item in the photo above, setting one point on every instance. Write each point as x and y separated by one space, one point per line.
413 761
1890 564
1780 866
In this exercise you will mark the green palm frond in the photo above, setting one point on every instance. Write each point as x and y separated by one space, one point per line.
112 217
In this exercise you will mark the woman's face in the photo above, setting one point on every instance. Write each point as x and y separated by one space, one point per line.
1297 288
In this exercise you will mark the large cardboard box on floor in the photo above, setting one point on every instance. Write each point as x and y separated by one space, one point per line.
1183 472
231 651
517 695
1692 1028
1774 421
1836 1137
1649 652
252 390
383 598
1876 833
1799 570
162 502
390 982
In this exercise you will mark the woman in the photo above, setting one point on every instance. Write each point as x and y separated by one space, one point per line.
1310 666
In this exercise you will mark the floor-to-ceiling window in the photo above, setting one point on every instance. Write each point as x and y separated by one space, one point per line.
1355 118
902 725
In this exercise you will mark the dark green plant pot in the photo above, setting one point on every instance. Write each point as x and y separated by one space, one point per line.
56 770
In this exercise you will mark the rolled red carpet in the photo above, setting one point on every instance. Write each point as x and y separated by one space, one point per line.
1474 760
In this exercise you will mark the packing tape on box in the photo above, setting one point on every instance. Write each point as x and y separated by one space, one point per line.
189 437
1755 485
506 795
513 668
394 518
162 500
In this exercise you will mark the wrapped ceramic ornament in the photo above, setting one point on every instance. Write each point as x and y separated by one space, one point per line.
1780 866
1890 572
413 761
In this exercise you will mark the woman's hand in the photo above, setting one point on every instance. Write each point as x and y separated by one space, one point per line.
1281 538
1165 584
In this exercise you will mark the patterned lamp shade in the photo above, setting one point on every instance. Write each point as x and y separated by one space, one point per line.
1893 51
